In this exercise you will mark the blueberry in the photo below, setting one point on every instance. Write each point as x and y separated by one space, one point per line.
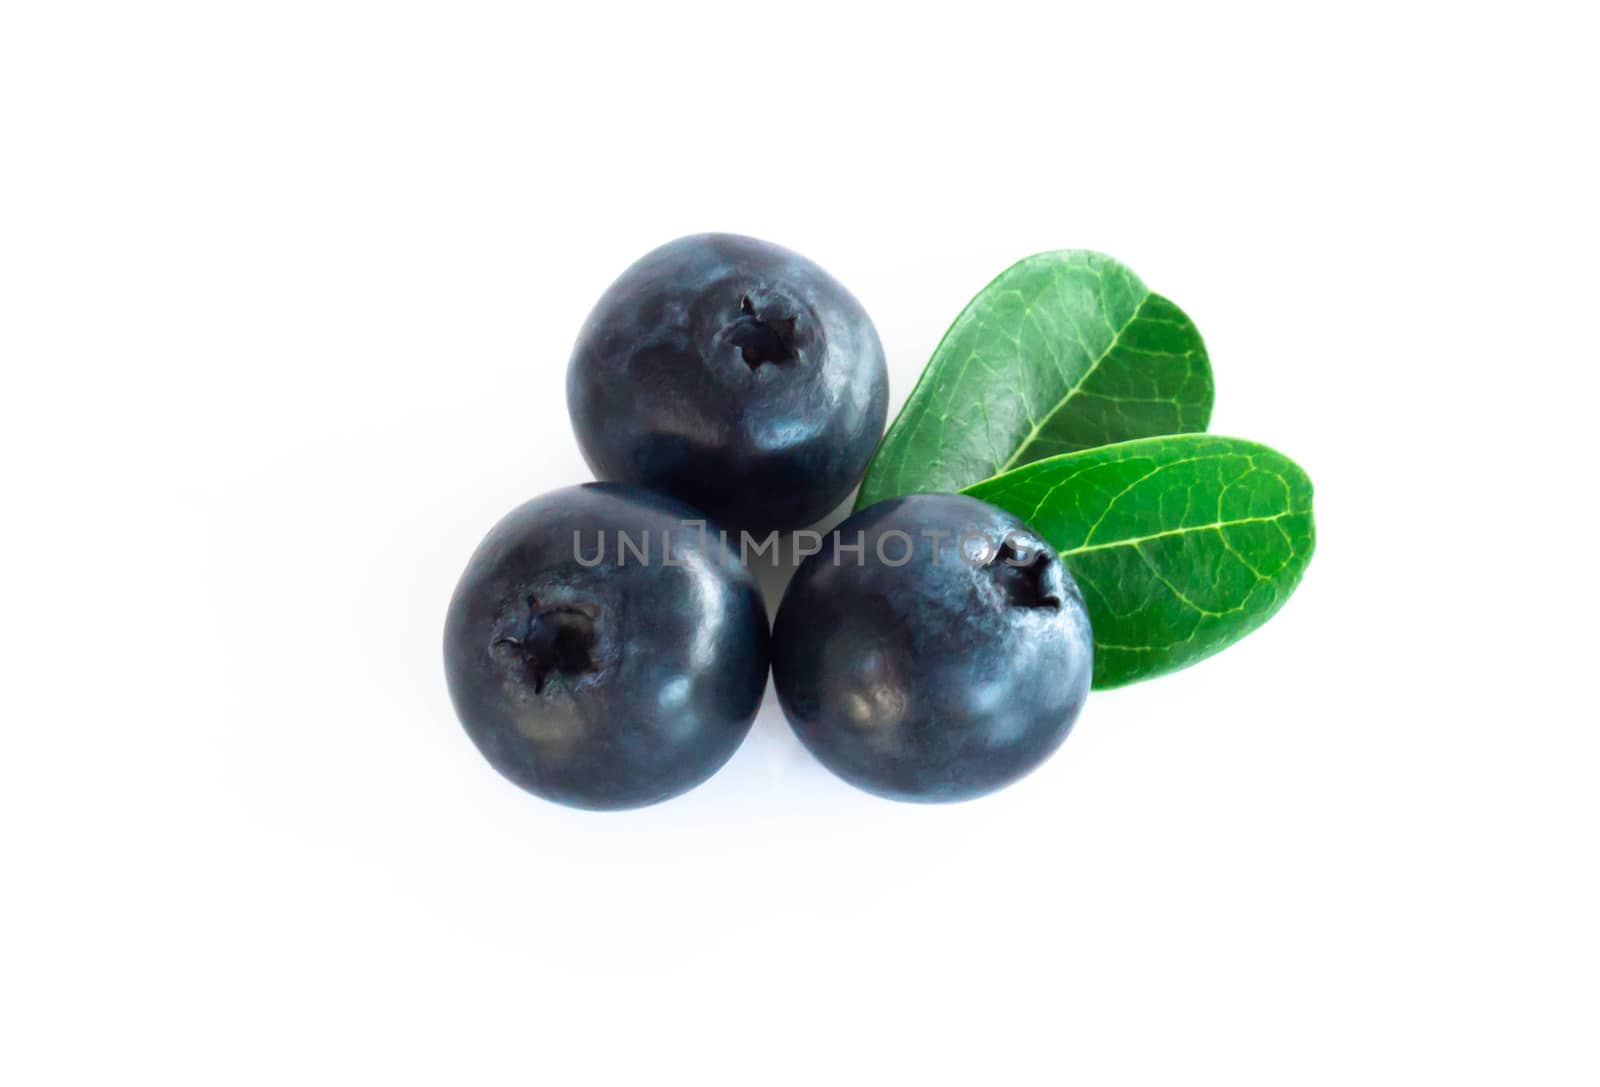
944 659
733 374
595 677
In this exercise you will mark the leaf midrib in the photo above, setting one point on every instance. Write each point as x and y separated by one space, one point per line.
1211 526
1066 397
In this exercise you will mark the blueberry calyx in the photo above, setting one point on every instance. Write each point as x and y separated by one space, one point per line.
558 639
761 339
1025 582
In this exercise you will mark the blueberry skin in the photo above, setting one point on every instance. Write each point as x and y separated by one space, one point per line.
735 375
934 680
605 686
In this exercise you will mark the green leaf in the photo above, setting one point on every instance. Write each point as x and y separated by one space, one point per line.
1064 351
1182 544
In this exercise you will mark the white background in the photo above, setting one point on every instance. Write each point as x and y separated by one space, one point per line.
286 297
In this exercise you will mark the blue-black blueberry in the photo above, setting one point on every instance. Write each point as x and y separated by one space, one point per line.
734 374
935 649
603 649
